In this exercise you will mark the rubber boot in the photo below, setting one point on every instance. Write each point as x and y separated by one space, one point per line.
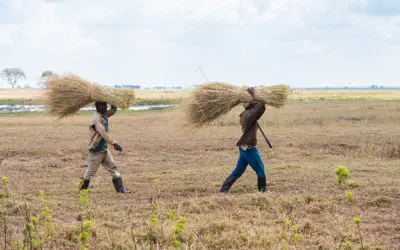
119 186
227 184
85 185
262 183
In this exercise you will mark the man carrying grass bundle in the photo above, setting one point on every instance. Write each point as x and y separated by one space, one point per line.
247 145
98 148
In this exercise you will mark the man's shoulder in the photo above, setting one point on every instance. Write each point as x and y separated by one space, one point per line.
96 118
246 112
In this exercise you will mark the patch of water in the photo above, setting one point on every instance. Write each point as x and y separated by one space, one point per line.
18 108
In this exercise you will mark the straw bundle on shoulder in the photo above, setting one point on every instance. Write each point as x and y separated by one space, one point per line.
212 100
65 95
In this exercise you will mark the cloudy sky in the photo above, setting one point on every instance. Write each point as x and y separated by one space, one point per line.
160 42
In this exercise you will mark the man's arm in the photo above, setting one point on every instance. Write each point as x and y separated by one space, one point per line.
251 117
259 109
101 130
254 114
99 127
111 111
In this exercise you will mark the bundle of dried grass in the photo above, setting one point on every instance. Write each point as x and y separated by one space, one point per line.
212 100
65 95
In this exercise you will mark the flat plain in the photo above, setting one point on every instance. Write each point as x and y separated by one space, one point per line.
175 171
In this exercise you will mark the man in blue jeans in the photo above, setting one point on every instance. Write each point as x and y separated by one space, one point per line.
249 154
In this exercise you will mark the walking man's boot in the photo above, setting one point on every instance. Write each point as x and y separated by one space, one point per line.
262 183
119 186
85 185
227 184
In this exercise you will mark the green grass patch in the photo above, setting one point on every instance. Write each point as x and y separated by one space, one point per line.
88 113
139 102
128 112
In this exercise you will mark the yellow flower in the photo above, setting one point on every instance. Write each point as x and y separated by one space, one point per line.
35 219
349 196
297 237
4 180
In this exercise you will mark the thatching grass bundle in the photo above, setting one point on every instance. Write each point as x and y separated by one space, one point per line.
65 95
213 100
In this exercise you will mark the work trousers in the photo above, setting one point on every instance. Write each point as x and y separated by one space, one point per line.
106 159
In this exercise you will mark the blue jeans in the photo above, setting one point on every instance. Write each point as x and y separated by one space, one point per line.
249 157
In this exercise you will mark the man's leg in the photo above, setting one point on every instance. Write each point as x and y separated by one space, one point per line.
112 168
239 170
256 162
94 161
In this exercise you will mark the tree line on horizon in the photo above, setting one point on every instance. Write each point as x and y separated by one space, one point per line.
13 75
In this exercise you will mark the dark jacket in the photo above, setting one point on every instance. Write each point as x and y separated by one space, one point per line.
248 120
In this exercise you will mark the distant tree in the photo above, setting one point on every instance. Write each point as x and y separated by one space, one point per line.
131 86
13 75
46 75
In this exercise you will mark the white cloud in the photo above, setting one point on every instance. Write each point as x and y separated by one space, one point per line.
5 35
160 42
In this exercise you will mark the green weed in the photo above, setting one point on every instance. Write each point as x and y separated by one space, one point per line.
357 222
342 174
349 196
47 217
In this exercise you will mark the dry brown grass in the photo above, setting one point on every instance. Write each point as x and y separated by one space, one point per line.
66 95
20 94
162 94
369 94
309 142
141 94
212 100
184 94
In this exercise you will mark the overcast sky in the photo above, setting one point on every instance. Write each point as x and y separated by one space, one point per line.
301 43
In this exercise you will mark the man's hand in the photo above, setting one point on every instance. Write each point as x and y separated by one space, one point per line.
113 108
252 91
117 147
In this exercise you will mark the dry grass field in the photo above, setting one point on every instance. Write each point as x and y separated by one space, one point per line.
368 94
20 94
146 95
182 169
154 96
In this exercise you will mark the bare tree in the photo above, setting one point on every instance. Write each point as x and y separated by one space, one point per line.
46 75
12 75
